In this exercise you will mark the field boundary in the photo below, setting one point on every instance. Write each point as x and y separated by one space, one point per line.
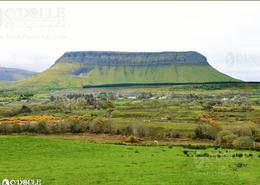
165 84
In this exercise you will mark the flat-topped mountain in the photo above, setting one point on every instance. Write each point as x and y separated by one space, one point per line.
77 69
12 74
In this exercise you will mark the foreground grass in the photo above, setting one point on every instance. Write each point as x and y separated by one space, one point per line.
59 161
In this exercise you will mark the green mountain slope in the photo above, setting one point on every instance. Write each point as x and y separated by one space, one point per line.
76 69
12 74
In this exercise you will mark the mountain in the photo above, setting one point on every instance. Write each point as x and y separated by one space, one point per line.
12 74
76 69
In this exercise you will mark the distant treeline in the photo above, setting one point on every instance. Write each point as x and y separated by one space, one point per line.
165 84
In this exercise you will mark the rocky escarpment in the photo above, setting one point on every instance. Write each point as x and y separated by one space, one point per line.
133 58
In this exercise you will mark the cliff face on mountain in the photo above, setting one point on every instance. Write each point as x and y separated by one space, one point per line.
77 69
133 58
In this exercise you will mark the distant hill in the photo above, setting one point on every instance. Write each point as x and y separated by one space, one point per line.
12 74
77 69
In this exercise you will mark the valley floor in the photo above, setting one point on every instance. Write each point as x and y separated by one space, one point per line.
184 135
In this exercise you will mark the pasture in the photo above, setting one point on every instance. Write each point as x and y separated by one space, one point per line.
66 161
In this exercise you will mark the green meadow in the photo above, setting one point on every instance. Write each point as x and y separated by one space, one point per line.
65 161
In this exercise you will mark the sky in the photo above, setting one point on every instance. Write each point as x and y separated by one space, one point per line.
33 35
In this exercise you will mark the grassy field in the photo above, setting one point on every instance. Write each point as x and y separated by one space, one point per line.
65 161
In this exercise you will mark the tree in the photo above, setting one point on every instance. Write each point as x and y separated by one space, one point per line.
225 138
206 132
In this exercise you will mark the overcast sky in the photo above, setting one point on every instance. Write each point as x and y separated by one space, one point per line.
34 34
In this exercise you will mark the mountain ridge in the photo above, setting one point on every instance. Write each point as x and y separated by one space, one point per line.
14 74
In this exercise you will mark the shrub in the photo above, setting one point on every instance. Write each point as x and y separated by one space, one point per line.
41 127
25 109
135 130
240 165
208 106
59 127
131 139
244 142
257 139
139 130
73 127
185 152
5 128
28 127
243 131
191 135
26 96
98 125
52 98
256 133
206 132
78 126
16 128
105 104
123 130
225 138
172 134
